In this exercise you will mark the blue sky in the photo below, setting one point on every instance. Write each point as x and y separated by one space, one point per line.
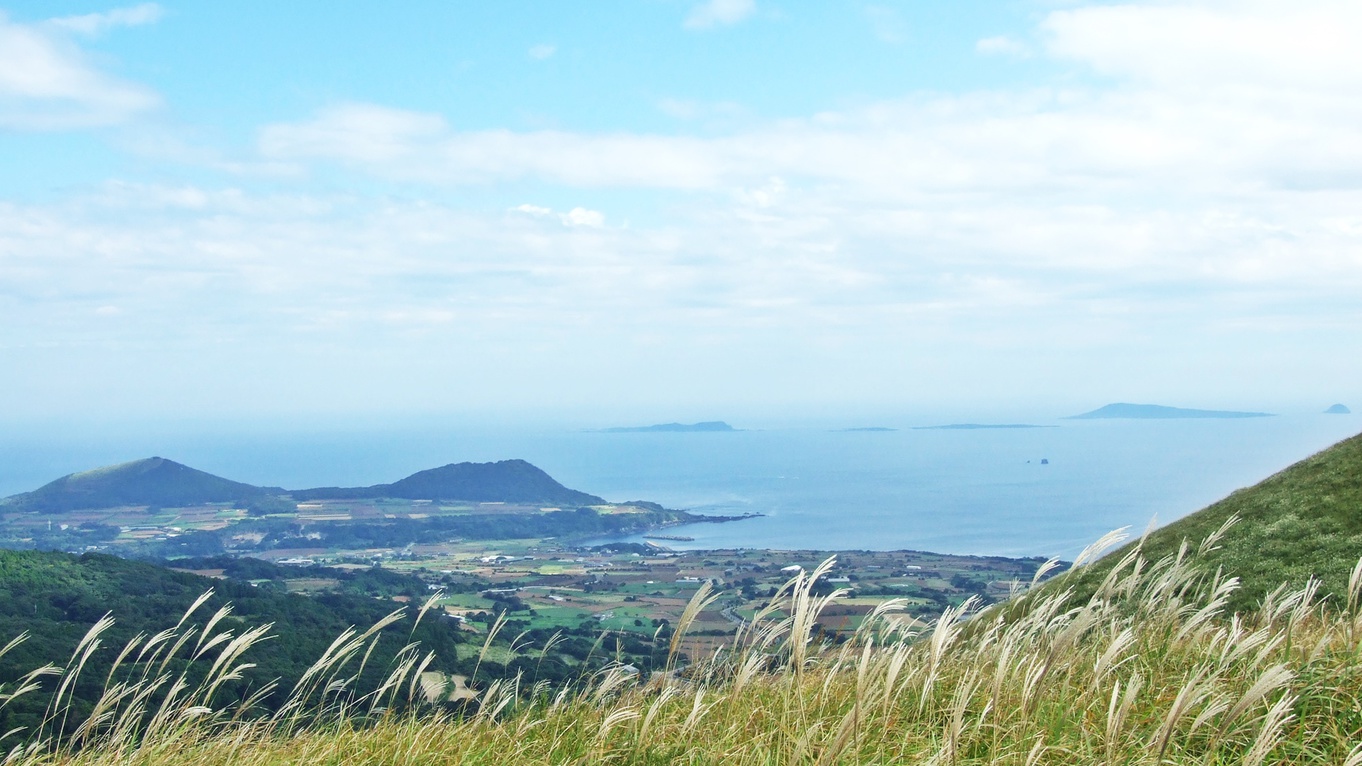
673 210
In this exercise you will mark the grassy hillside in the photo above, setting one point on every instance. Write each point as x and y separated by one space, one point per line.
153 481
1161 677
1303 522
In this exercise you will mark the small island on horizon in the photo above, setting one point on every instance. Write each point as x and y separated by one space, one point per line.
975 426
1338 409
708 426
1126 411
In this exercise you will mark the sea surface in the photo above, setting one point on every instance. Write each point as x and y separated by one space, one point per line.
982 491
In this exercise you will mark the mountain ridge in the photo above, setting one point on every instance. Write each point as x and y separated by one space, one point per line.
157 481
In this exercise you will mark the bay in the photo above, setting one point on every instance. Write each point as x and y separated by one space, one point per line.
1015 492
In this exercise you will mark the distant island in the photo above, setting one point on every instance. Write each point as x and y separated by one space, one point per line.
707 426
876 429
973 426
1122 410
1338 409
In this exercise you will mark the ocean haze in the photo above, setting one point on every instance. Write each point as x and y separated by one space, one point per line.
981 491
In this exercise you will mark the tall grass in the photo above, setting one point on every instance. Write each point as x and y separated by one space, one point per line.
1148 670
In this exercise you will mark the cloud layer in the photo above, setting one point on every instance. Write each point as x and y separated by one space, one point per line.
46 82
719 13
1181 211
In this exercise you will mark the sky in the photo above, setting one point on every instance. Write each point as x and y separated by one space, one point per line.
676 209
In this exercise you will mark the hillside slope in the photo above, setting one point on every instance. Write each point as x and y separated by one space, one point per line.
510 481
152 481
1305 521
54 598
1162 678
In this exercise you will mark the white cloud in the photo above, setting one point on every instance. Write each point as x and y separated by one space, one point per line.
1003 45
1307 45
689 110
361 133
182 145
765 196
785 282
419 146
719 12
97 23
580 216
1083 142
1221 176
532 210
47 84
887 24
1196 115
542 51
1199 198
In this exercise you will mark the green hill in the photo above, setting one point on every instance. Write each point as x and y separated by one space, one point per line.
1305 521
54 598
509 481
153 481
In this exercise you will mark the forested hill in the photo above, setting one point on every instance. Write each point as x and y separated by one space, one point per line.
153 481
56 597
510 481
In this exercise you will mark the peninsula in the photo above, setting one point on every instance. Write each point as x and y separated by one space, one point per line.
160 508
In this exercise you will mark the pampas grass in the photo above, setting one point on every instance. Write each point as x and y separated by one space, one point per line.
1148 670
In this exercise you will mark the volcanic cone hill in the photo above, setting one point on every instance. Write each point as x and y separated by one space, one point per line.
153 481
509 481
158 482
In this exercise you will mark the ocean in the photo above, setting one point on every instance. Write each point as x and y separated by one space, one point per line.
1014 492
